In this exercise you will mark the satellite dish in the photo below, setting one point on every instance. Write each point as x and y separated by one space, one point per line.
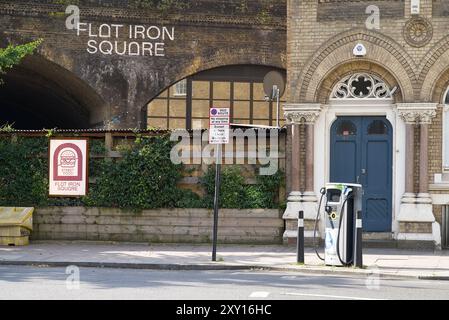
274 78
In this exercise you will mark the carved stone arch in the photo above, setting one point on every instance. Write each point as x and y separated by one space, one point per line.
344 70
381 51
439 88
434 74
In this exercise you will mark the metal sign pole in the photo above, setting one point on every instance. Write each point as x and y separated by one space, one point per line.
278 98
216 201
358 256
300 239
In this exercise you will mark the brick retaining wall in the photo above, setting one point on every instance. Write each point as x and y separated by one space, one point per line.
258 226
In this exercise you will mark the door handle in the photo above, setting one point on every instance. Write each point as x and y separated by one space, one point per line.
358 179
363 171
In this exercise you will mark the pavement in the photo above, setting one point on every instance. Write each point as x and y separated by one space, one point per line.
389 263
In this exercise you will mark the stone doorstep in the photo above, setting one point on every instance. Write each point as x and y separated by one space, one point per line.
377 236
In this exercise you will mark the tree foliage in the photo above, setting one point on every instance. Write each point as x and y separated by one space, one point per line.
13 54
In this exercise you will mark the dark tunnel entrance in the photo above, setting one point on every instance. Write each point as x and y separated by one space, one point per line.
38 94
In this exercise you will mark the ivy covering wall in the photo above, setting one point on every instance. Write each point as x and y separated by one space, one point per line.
143 178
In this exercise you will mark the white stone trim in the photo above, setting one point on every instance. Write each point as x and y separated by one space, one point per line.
416 106
298 113
291 212
294 234
436 232
422 113
416 212
440 199
293 208
435 236
416 236
365 103
361 107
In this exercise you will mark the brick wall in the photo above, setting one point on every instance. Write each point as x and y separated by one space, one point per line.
351 10
210 34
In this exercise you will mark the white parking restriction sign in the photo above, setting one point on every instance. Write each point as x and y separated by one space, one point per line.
219 125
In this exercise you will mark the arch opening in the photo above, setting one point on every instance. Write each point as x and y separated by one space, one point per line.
186 103
39 94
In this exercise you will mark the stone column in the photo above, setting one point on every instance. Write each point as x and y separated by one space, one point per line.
416 220
309 196
409 158
410 118
412 114
295 165
309 156
425 119
298 115
424 159
295 196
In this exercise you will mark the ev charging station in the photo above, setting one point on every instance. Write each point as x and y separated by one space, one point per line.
343 227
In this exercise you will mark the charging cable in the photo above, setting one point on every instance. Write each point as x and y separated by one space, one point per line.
323 193
338 236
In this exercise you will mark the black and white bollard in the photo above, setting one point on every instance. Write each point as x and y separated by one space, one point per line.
358 262
300 239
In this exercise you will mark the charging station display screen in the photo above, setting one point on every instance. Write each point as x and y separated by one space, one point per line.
333 195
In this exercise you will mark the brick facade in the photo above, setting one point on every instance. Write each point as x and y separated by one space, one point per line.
208 34
312 39
317 46
320 41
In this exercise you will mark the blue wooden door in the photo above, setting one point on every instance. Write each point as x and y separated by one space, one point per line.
361 152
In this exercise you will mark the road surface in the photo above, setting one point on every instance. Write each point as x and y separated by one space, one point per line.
61 283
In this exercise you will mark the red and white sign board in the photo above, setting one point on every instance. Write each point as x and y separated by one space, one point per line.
68 161
219 121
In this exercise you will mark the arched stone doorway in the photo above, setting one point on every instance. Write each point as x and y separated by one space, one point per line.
360 122
365 98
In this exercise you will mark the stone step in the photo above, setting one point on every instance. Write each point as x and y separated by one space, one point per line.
381 244
377 236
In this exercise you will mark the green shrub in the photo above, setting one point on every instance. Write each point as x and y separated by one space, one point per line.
235 194
267 188
23 171
145 178
189 199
